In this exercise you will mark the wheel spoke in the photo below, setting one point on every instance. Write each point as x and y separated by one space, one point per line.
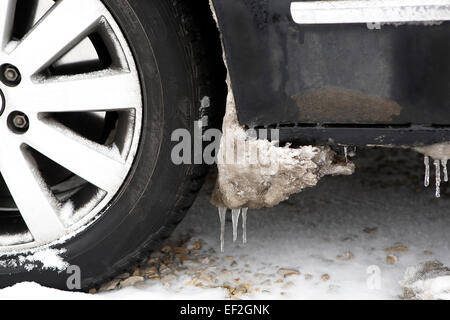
67 23
7 8
30 193
114 91
93 162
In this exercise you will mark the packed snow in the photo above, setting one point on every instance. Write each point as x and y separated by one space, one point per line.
43 258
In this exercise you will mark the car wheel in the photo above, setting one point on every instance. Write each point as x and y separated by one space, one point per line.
90 92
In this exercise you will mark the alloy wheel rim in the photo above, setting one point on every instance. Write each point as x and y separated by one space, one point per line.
32 134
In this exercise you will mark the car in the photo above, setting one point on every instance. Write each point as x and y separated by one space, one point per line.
92 91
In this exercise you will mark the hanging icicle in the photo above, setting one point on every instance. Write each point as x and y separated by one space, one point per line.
235 218
427 171
244 225
235 215
444 166
222 214
346 153
437 164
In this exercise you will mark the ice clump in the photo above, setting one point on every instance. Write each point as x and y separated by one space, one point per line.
427 281
257 174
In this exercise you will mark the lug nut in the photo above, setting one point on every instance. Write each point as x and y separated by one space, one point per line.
18 122
10 75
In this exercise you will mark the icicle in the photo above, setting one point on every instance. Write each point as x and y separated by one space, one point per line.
244 225
222 213
427 170
444 166
235 217
437 164
346 153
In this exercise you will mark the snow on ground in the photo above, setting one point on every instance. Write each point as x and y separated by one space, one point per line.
331 234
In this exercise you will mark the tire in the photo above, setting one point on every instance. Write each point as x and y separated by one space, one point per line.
176 70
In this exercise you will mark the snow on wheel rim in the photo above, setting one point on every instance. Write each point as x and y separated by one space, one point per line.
71 121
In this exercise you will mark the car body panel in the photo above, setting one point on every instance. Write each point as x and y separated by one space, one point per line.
343 74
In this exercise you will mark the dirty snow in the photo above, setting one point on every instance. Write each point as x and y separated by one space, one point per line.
256 173
335 235
427 281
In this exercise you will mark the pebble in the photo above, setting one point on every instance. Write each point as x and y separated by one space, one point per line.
148 271
164 270
166 249
168 278
131 281
391 259
325 277
288 272
226 274
398 248
111 285
190 263
370 230
203 260
180 250
239 290
346 256
266 283
206 277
